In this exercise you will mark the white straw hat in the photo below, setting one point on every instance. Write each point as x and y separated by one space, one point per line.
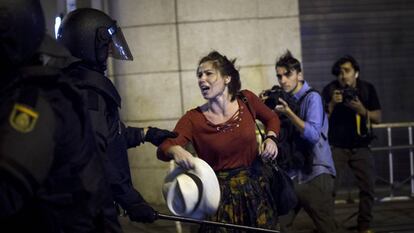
192 193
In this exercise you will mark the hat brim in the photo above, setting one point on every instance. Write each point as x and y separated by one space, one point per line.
210 197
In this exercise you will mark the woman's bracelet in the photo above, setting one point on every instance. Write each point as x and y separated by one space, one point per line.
272 137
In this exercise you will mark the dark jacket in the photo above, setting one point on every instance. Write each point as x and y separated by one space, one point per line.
113 137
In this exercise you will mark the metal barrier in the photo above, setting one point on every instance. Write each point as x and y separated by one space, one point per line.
390 148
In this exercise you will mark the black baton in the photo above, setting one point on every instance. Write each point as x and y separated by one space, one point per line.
218 224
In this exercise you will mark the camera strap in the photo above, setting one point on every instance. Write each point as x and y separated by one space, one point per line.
368 124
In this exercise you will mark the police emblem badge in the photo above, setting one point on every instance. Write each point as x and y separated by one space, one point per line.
23 118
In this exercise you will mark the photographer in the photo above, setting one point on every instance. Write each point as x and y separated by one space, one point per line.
314 181
353 105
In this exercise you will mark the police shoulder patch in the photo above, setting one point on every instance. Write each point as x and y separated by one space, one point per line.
23 118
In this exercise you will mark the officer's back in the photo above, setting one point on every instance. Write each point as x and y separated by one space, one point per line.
51 179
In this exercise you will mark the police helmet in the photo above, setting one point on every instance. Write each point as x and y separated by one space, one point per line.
22 28
91 35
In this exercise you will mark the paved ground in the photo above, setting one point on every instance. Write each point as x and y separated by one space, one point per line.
390 216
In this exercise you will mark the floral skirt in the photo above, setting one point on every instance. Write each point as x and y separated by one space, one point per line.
245 200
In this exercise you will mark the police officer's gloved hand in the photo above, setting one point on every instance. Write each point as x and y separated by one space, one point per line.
156 136
142 213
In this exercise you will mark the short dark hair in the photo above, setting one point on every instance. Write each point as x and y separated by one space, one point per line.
225 67
336 68
289 62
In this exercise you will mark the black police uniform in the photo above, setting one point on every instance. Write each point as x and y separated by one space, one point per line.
113 137
91 36
51 177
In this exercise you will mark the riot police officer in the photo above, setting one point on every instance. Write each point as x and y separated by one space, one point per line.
92 36
51 177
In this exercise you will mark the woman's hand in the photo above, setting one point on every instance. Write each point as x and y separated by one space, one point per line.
182 157
268 149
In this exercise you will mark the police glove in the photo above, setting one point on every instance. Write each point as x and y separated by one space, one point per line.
142 213
157 136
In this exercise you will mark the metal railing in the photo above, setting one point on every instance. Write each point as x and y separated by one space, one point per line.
390 147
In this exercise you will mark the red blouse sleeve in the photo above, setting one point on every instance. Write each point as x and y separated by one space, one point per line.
184 129
268 117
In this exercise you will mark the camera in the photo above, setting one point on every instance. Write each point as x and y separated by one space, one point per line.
349 93
272 96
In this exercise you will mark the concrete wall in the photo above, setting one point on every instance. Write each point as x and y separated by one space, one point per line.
168 37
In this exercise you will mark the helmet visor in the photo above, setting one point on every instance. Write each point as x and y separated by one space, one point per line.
119 47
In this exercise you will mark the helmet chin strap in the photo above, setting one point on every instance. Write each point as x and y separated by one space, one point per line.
101 55
102 42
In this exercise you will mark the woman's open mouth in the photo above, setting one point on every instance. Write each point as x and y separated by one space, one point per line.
204 89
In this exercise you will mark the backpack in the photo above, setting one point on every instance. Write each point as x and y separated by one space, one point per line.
295 153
